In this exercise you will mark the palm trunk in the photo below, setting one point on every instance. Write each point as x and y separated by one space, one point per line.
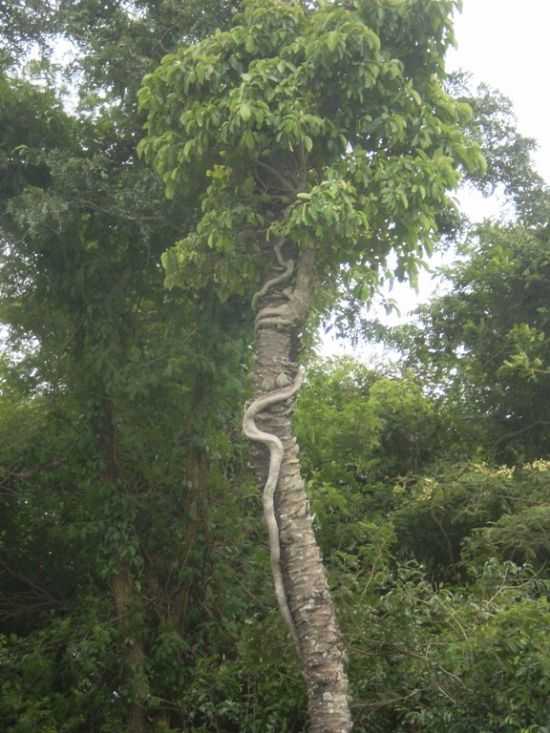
279 325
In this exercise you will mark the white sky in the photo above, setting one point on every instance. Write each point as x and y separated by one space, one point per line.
506 44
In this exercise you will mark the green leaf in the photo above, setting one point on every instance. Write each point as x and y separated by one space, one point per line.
245 111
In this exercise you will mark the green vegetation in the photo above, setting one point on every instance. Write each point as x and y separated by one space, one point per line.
135 590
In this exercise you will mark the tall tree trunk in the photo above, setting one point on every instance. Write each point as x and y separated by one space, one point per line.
123 590
123 587
279 323
173 598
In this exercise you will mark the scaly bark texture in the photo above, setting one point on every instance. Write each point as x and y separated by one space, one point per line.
279 324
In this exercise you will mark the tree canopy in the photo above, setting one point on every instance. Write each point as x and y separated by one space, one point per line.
317 125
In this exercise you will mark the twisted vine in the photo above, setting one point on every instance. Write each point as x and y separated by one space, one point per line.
273 443
276 454
288 267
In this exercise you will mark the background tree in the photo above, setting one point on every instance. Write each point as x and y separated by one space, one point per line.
94 344
495 326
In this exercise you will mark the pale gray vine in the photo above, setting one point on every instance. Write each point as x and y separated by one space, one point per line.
272 442
276 454
288 267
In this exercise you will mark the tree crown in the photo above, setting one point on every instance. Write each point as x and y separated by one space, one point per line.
327 125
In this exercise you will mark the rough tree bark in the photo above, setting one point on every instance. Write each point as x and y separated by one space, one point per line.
122 584
123 591
281 317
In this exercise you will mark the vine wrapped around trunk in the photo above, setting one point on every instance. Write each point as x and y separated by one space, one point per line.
276 457
299 578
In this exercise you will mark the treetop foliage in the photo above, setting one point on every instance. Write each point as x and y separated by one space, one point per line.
507 152
24 22
328 126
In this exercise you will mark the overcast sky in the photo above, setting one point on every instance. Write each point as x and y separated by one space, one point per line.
505 43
